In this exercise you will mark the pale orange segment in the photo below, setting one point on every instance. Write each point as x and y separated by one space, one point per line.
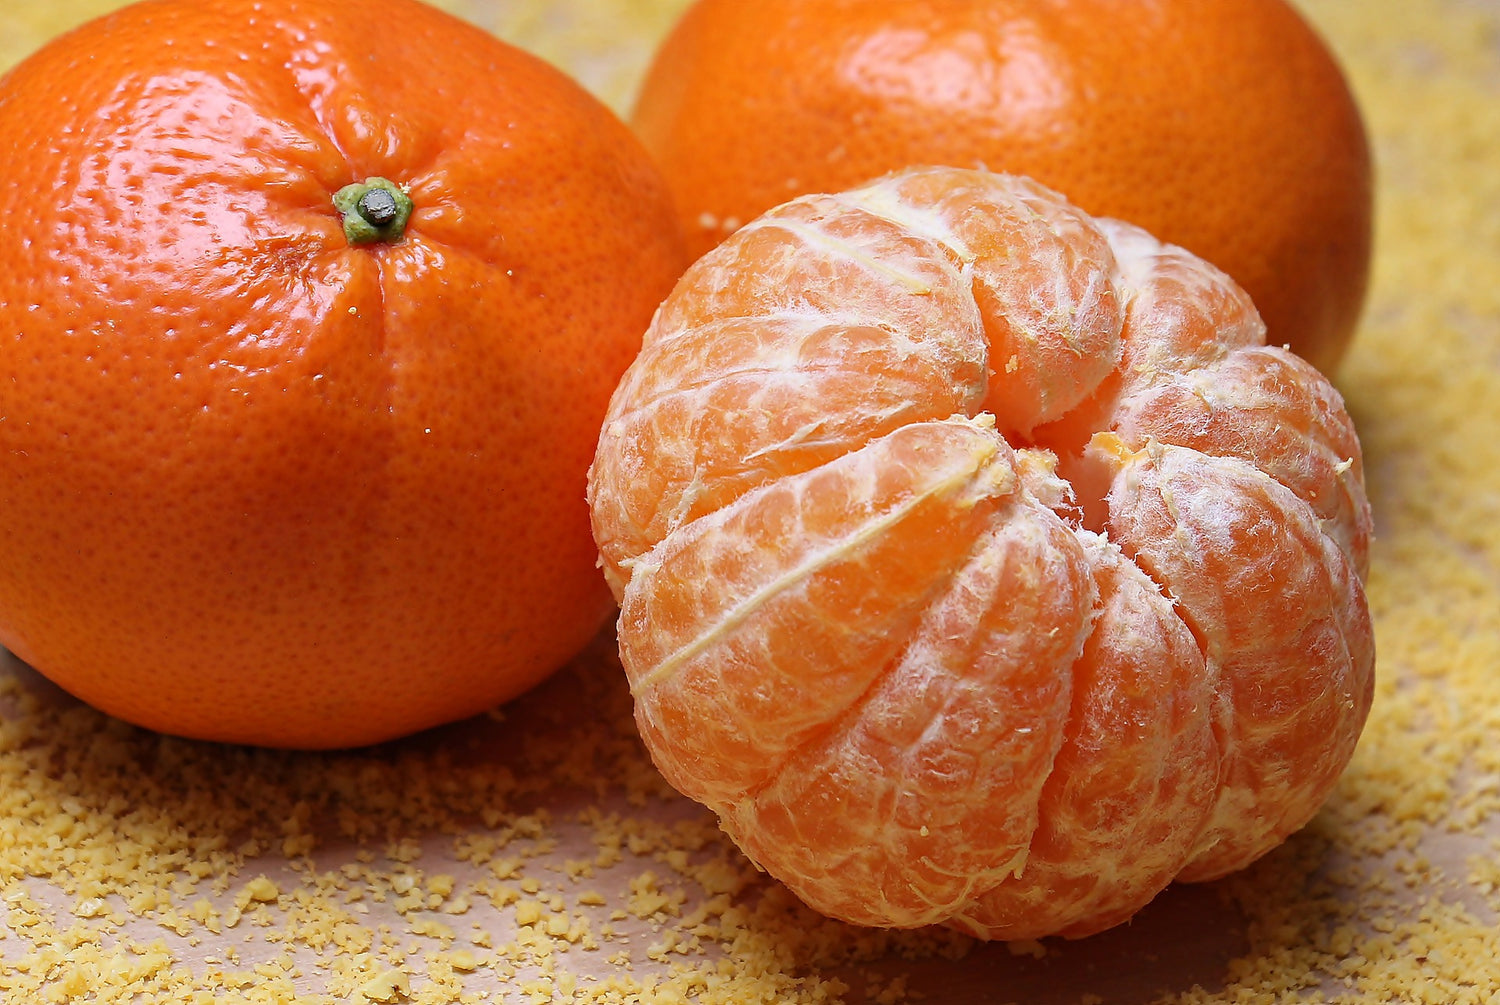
927 789
1136 775
978 563
733 380
1051 345
740 653
1278 415
1277 607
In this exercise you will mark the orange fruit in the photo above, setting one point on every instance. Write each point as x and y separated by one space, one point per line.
259 481
978 563
1223 127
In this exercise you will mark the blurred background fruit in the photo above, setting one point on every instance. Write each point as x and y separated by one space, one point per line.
1225 127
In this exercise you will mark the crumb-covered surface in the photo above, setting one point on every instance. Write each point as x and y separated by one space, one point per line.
536 856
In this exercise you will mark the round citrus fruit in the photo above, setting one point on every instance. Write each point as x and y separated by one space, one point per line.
311 310
978 562
1224 127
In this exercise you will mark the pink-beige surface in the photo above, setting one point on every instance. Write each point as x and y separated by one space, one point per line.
535 855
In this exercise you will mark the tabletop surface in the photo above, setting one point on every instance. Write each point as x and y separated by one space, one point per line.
534 855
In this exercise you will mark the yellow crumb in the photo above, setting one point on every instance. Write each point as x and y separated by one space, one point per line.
1027 947
388 987
261 890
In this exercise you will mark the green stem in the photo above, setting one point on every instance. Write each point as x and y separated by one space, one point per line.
373 210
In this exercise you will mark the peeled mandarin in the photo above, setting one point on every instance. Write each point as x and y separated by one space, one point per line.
978 563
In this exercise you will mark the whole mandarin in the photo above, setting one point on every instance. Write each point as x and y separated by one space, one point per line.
284 471
1225 127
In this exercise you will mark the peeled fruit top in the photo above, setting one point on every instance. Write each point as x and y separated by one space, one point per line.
978 563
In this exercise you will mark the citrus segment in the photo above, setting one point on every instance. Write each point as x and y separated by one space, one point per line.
777 611
1280 614
745 406
926 790
1183 312
817 254
1281 416
1136 774
1050 312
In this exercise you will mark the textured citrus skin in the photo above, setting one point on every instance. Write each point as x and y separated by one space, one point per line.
1223 127
257 484
948 628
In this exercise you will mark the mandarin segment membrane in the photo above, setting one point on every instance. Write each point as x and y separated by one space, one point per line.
978 563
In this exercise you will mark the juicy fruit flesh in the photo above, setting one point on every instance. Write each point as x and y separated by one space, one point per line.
977 562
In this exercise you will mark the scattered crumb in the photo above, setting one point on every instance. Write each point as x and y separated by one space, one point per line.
535 855
1027 947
